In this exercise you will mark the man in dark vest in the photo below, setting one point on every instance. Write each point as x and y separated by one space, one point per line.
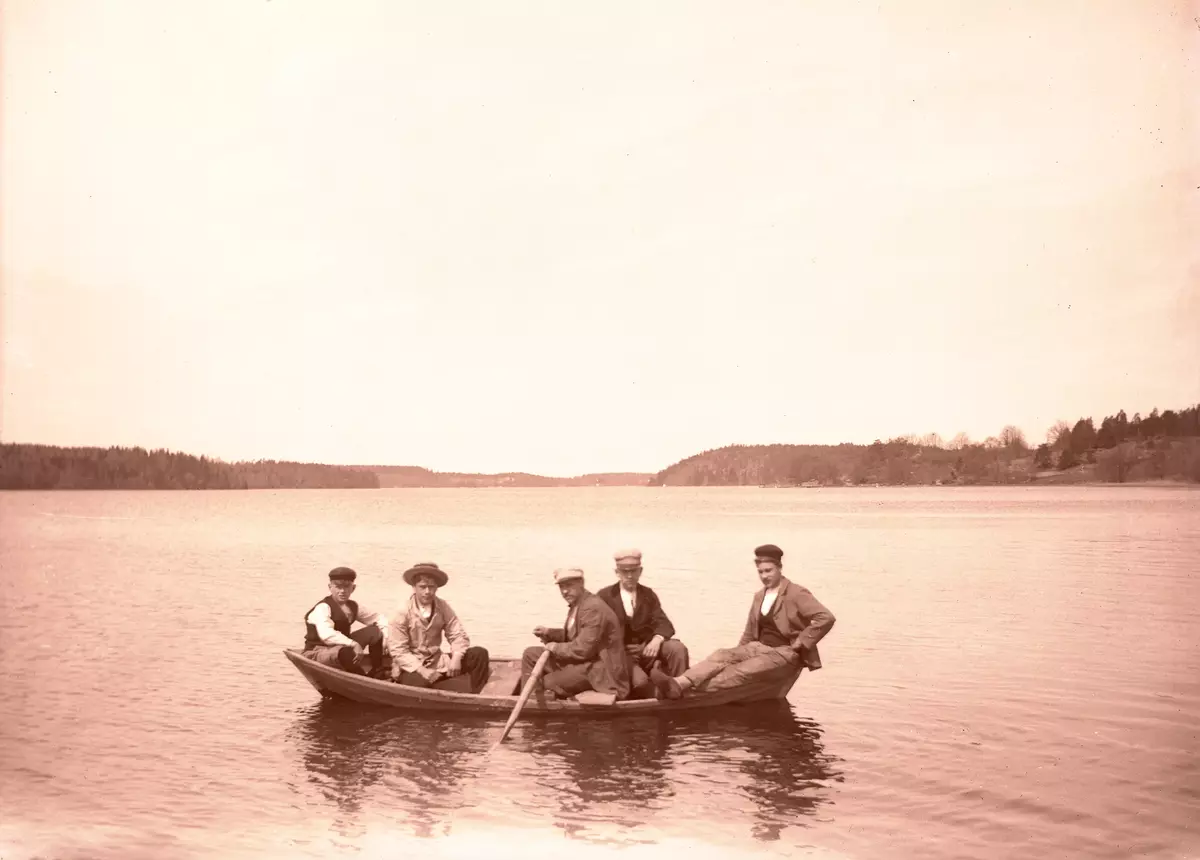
327 635
648 631
781 633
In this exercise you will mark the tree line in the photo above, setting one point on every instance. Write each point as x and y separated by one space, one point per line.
50 467
1158 446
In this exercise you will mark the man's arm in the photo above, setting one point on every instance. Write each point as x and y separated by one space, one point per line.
369 616
586 644
456 634
321 618
556 634
817 618
659 621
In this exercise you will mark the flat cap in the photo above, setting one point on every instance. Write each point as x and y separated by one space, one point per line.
770 552
628 557
426 568
566 574
342 574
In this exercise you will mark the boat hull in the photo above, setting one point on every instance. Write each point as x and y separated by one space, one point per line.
498 704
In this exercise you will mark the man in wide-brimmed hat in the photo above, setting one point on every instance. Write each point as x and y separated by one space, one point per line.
415 639
782 631
327 635
587 652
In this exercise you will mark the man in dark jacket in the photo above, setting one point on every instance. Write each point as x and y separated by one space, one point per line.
587 652
781 633
648 631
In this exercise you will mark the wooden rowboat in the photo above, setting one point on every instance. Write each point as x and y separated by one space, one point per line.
499 695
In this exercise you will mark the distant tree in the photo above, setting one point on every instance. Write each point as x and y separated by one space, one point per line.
1170 423
1059 436
932 440
1043 458
1067 459
960 441
1013 439
992 442
1152 425
1083 435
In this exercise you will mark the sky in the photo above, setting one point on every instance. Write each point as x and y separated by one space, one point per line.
573 238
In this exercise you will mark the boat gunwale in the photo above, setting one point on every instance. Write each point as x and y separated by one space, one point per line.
475 703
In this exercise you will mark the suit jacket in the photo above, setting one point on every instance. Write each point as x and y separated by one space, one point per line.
597 641
649 619
798 615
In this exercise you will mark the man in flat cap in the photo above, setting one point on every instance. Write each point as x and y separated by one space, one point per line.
648 632
327 635
587 652
416 639
782 631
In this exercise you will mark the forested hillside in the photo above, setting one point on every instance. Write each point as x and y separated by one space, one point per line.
1157 447
49 467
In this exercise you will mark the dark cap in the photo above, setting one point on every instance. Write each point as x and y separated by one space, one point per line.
426 568
342 574
769 552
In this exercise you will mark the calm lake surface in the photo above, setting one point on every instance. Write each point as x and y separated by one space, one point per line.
1012 669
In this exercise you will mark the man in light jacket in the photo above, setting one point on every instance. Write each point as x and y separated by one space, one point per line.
415 639
782 631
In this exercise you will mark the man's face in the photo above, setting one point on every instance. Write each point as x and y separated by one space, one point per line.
425 589
341 589
769 572
629 576
570 590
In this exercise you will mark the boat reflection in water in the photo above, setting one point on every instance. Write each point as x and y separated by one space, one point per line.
609 781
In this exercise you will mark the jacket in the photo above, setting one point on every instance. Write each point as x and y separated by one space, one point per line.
798 615
597 640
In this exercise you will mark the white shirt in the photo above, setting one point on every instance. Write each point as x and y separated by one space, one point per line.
321 618
627 599
769 600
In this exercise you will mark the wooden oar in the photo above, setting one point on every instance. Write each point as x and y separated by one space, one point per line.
533 678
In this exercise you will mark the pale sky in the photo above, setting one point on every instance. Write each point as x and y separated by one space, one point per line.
566 238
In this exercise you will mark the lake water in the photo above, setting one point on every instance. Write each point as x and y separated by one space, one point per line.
1012 669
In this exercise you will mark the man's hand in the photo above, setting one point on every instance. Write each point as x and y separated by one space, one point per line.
430 675
651 649
455 667
395 671
540 633
550 646
634 650
359 650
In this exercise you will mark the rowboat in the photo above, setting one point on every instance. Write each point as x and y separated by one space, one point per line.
499 695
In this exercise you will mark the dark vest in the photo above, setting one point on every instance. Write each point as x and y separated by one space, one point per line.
768 633
341 622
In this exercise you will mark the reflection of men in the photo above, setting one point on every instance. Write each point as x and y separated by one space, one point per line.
416 639
782 631
587 652
327 636
647 628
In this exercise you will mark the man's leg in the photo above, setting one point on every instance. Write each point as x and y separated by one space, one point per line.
476 665
337 656
640 685
568 680
760 666
371 638
672 687
412 679
673 655
529 659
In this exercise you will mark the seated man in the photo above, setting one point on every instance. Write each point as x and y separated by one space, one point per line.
587 652
328 639
783 629
416 639
647 629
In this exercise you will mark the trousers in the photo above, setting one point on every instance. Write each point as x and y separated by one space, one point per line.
734 667
475 671
343 656
672 658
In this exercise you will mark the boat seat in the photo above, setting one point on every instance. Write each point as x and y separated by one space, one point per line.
504 680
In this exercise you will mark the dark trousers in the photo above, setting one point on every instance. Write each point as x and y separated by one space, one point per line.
343 656
672 658
562 679
475 671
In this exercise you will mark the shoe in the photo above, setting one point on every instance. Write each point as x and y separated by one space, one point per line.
665 687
